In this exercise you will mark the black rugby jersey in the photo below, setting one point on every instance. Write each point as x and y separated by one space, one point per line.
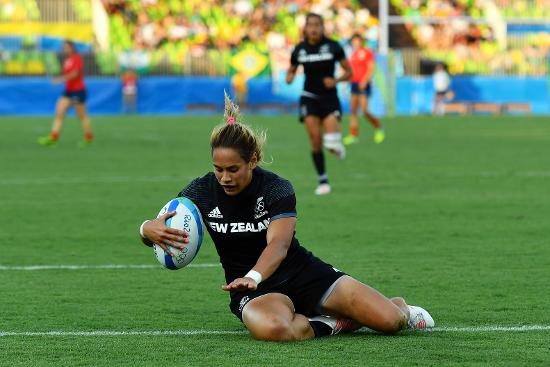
318 62
238 224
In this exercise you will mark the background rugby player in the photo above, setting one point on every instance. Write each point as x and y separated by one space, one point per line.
362 64
319 104
74 94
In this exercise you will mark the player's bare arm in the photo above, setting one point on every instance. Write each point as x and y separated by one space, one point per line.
346 76
291 74
368 76
330 82
279 237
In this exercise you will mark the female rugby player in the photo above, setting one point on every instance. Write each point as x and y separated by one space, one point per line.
362 66
319 104
278 289
74 94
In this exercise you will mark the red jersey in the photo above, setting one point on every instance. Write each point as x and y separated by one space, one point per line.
361 60
129 83
74 63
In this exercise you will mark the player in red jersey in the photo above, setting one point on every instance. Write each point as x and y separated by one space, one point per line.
74 94
362 65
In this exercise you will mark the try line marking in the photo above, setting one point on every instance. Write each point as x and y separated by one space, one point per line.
107 266
478 329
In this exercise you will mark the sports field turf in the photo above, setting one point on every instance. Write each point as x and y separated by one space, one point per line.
451 213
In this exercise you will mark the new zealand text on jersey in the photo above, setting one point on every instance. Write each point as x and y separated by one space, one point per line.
239 227
303 58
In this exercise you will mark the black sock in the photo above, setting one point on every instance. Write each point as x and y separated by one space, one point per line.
320 328
319 161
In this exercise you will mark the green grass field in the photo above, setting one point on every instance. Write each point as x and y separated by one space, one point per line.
450 213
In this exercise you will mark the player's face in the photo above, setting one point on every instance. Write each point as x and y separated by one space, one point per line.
232 172
67 49
356 43
314 29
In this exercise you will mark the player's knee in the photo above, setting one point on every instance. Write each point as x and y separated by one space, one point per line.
389 326
273 328
392 322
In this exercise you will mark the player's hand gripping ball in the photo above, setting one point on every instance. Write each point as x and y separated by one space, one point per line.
188 219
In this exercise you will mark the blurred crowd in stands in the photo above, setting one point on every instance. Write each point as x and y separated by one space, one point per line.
145 33
175 29
18 10
470 47
536 9
221 24
194 26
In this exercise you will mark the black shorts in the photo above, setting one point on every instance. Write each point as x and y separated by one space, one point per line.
321 107
78 96
367 91
305 289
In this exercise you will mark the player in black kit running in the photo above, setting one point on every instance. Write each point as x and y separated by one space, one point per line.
319 103
278 289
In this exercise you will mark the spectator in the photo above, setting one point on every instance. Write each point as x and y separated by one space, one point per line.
441 82
146 30
129 91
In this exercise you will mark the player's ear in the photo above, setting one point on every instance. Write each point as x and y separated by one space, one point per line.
253 161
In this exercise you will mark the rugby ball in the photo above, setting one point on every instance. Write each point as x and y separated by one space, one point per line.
188 219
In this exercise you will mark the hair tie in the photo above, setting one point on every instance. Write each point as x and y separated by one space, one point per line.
231 120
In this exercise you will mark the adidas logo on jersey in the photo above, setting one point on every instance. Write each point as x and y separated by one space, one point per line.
215 213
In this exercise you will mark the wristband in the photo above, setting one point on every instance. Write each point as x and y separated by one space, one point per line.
253 274
141 229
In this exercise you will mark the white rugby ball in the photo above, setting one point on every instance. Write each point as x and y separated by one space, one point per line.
188 219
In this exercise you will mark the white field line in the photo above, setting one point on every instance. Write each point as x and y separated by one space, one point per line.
481 329
122 333
107 266
478 329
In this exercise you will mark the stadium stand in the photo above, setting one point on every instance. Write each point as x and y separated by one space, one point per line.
82 10
252 38
32 31
471 47
534 9
214 31
210 31
18 10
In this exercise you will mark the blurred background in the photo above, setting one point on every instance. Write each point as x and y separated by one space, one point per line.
177 56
